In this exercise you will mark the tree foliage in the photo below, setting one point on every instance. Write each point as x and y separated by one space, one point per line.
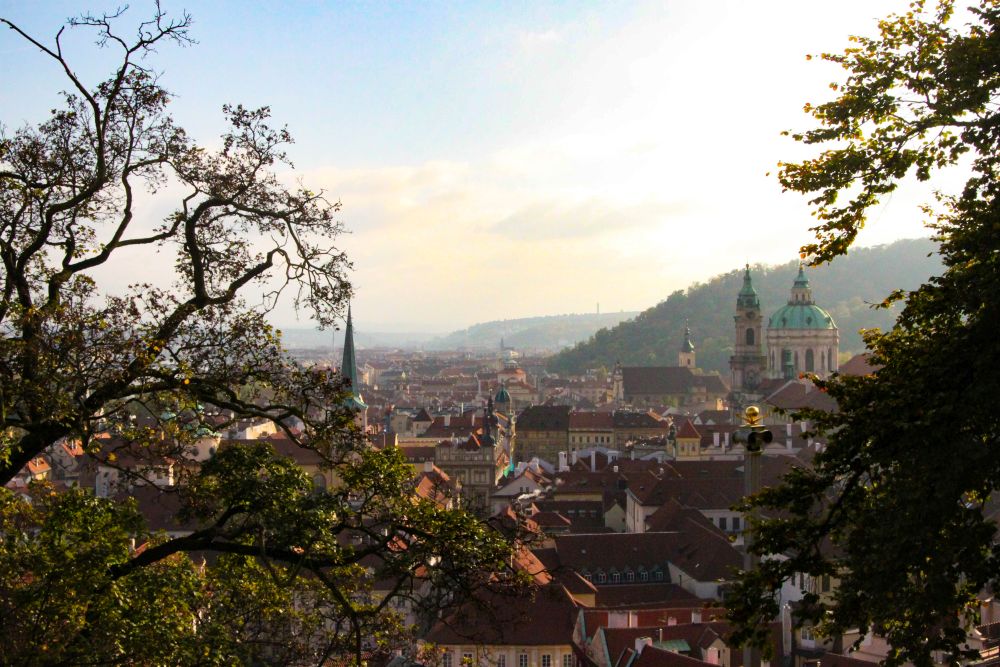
280 573
901 505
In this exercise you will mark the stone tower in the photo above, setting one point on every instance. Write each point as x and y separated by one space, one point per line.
748 361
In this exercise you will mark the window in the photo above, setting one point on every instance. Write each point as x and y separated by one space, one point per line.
643 575
658 575
629 576
567 660
723 523
601 577
446 659
616 578
749 336
826 583
522 660
466 658
810 362
502 660
546 660
319 482
736 523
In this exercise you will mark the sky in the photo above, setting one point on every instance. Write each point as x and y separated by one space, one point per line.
497 160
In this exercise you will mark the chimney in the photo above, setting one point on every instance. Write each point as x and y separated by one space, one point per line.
715 439
573 456
615 468
447 420
671 621
696 615
563 464
593 460
788 430
641 643
428 466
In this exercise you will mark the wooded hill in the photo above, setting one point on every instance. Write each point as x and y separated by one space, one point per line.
550 332
846 288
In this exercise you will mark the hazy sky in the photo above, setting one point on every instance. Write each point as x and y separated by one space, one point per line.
501 160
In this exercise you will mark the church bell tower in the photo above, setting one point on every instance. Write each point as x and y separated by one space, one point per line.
748 361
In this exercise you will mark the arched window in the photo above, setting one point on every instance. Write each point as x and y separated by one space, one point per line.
749 336
319 482
829 358
795 365
810 361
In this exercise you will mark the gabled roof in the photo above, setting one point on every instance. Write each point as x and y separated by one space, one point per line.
660 380
858 365
688 430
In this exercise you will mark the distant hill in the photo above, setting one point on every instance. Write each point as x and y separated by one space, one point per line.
846 288
552 332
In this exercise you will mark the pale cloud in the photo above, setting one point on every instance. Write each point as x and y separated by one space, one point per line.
589 219
644 171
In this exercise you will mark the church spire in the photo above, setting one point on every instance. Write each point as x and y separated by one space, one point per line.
687 345
349 366
747 298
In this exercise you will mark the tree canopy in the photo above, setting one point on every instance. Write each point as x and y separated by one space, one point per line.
270 568
901 505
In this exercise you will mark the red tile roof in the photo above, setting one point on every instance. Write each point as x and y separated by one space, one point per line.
585 421
688 430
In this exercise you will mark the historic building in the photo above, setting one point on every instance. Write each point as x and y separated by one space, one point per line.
748 363
801 336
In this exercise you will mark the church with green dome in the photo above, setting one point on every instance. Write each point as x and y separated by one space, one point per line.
800 337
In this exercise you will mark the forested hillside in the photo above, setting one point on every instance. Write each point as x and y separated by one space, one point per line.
551 332
846 288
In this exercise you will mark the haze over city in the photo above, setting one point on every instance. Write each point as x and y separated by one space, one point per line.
524 159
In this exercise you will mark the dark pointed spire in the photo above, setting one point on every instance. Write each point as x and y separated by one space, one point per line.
687 345
349 366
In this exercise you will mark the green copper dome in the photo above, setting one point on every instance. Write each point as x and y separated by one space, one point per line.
801 311
801 316
502 395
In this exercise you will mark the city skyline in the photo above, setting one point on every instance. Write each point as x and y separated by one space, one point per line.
524 160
